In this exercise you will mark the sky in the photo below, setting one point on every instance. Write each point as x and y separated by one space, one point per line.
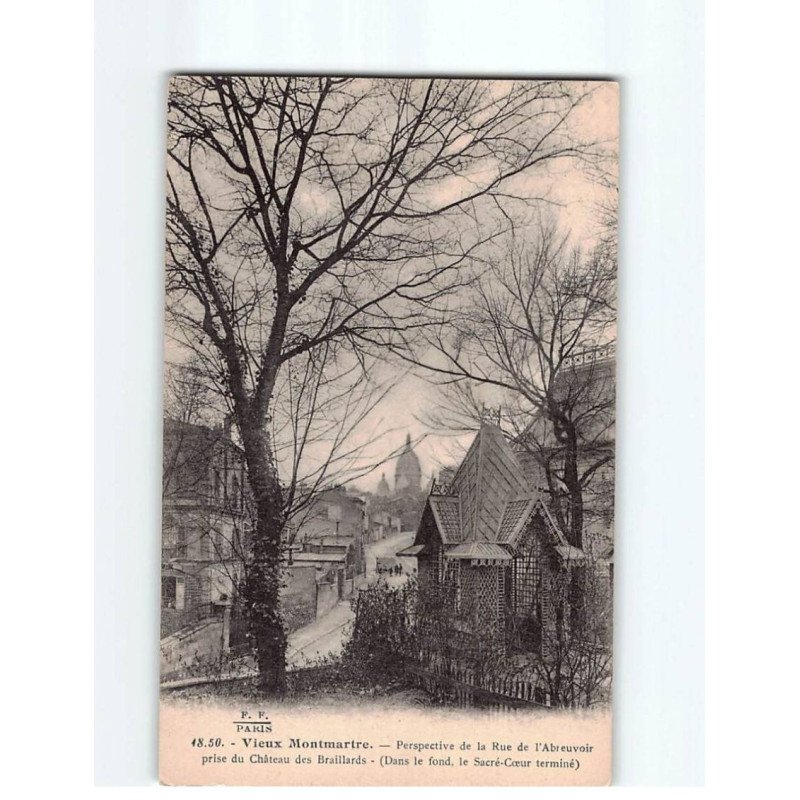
403 411
405 408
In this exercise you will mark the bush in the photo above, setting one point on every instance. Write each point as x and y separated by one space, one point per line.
383 634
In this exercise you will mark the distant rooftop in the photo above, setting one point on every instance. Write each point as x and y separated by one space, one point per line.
320 558
592 355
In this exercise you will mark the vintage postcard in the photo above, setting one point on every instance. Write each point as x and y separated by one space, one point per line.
389 431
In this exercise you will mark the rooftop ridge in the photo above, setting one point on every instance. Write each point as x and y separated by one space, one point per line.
591 355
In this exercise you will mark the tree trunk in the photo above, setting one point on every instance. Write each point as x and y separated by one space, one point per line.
567 436
574 488
263 584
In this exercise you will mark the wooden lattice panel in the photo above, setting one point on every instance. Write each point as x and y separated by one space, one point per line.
527 575
479 593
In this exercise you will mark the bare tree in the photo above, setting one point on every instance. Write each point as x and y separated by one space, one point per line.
570 651
309 213
537 333
565 652
187 400
207 512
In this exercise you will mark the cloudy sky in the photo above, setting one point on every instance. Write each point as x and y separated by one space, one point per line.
407 406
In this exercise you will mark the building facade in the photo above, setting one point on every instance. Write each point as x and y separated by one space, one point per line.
583 395
392 509
489 548
335 521
408 472
206 529
205 523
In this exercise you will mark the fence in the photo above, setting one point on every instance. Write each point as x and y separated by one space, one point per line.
466 689
173 620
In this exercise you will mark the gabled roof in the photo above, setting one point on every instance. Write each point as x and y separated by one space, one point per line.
475 550
570 554
412 550
559 538
447 514
489 477
515 515
489 504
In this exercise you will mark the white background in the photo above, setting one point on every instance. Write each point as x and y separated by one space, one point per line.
656 50
657 55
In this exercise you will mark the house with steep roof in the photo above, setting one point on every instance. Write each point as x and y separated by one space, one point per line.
488 542
205 523
206 526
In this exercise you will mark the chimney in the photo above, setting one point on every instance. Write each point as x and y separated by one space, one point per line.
227 425
446 475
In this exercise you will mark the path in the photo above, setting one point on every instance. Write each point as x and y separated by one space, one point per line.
325 636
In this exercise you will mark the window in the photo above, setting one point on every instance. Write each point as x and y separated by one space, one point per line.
177 541
527 576
236 500
168 592
218 486
223 543
172 592
236 541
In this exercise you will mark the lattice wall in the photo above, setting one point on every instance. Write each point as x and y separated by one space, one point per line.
527 577
452 579
481 593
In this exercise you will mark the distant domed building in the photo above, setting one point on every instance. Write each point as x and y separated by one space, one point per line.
408 473
404 502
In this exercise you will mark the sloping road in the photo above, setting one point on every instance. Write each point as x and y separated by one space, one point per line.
387 547
326 635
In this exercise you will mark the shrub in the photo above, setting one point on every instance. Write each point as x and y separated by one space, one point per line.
383 633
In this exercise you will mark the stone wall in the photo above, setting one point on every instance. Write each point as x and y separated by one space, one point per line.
327 597
299 597
201 642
